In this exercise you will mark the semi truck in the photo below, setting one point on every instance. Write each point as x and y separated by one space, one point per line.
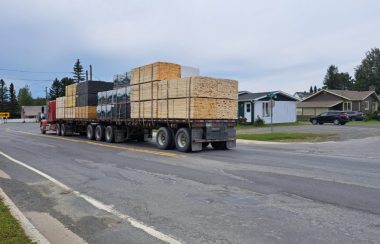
184 134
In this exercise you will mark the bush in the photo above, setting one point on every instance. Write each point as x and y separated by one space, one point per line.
242 120
371 116
259 121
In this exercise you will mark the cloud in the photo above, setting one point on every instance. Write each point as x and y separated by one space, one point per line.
271 45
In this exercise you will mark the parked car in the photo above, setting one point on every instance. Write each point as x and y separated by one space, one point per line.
355 115
378 116
335 117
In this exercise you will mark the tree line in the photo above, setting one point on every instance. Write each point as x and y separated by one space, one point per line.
11 103
366 77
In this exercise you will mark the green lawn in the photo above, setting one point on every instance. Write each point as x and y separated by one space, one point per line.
10 229
370 122
298 123
286 136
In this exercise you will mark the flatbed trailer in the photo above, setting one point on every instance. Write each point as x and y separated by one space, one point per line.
183 134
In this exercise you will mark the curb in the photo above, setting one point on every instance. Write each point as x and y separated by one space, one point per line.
28 227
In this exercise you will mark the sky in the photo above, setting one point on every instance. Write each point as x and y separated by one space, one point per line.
269 45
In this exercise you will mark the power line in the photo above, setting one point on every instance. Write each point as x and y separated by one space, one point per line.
23 79
35 72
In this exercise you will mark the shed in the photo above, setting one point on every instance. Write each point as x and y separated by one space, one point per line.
254 105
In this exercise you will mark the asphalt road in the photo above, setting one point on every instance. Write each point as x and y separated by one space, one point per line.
256 193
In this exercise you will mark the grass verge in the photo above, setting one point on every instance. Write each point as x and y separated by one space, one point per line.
298 123
10 229
286 136
370 122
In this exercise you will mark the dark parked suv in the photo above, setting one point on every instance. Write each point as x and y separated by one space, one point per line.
336 117
355 115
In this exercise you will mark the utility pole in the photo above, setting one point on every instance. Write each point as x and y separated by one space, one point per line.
90 72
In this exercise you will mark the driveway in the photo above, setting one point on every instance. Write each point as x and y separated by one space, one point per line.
344 132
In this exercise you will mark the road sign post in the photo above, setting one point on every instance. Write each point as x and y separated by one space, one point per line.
271 97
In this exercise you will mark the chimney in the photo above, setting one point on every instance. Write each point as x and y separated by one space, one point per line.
372 88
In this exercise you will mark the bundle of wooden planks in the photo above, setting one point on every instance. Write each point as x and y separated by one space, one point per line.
155 71
185 98
66 106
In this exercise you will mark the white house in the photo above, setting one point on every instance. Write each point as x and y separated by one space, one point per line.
254 105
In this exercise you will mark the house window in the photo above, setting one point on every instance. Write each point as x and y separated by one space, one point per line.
248 108
266 109
347 106
366 105
374 106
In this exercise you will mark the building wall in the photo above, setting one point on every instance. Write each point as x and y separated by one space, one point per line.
283 112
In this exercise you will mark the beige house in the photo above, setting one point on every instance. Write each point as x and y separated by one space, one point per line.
343 100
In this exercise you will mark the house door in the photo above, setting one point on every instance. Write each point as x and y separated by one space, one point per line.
248 112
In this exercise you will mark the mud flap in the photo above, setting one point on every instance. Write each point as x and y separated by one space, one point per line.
196 133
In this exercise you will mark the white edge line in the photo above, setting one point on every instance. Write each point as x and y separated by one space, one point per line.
102 206
28 227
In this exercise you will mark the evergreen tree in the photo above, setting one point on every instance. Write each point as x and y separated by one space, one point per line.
14 107
315 89
335 80
368 72
3 96
25 96
311 89
78 72
56 90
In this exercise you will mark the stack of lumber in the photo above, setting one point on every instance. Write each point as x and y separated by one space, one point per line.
114 104
60 107
185 98
87 98
155 71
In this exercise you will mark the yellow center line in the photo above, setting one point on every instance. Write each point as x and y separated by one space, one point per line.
140 150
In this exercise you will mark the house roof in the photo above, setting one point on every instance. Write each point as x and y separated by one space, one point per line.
318 104
246 96
346 94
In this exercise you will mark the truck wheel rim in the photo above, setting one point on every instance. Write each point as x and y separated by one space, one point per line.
181 140
161 138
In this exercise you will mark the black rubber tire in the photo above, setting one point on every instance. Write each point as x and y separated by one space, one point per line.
314 122
110 134
100 133
321 123
336 122
219 145
58 130
43 131
63 130
164 138
90 132
183 140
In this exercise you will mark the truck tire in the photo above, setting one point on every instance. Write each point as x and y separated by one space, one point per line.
164 138
99 133
183 140
90 132
110 134
63 130
219 145
58 130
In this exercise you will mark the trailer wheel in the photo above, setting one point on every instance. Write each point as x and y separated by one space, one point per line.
219 145
58 130
183 140
90 132
63 130
43 131
99 132
110 134
164 138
